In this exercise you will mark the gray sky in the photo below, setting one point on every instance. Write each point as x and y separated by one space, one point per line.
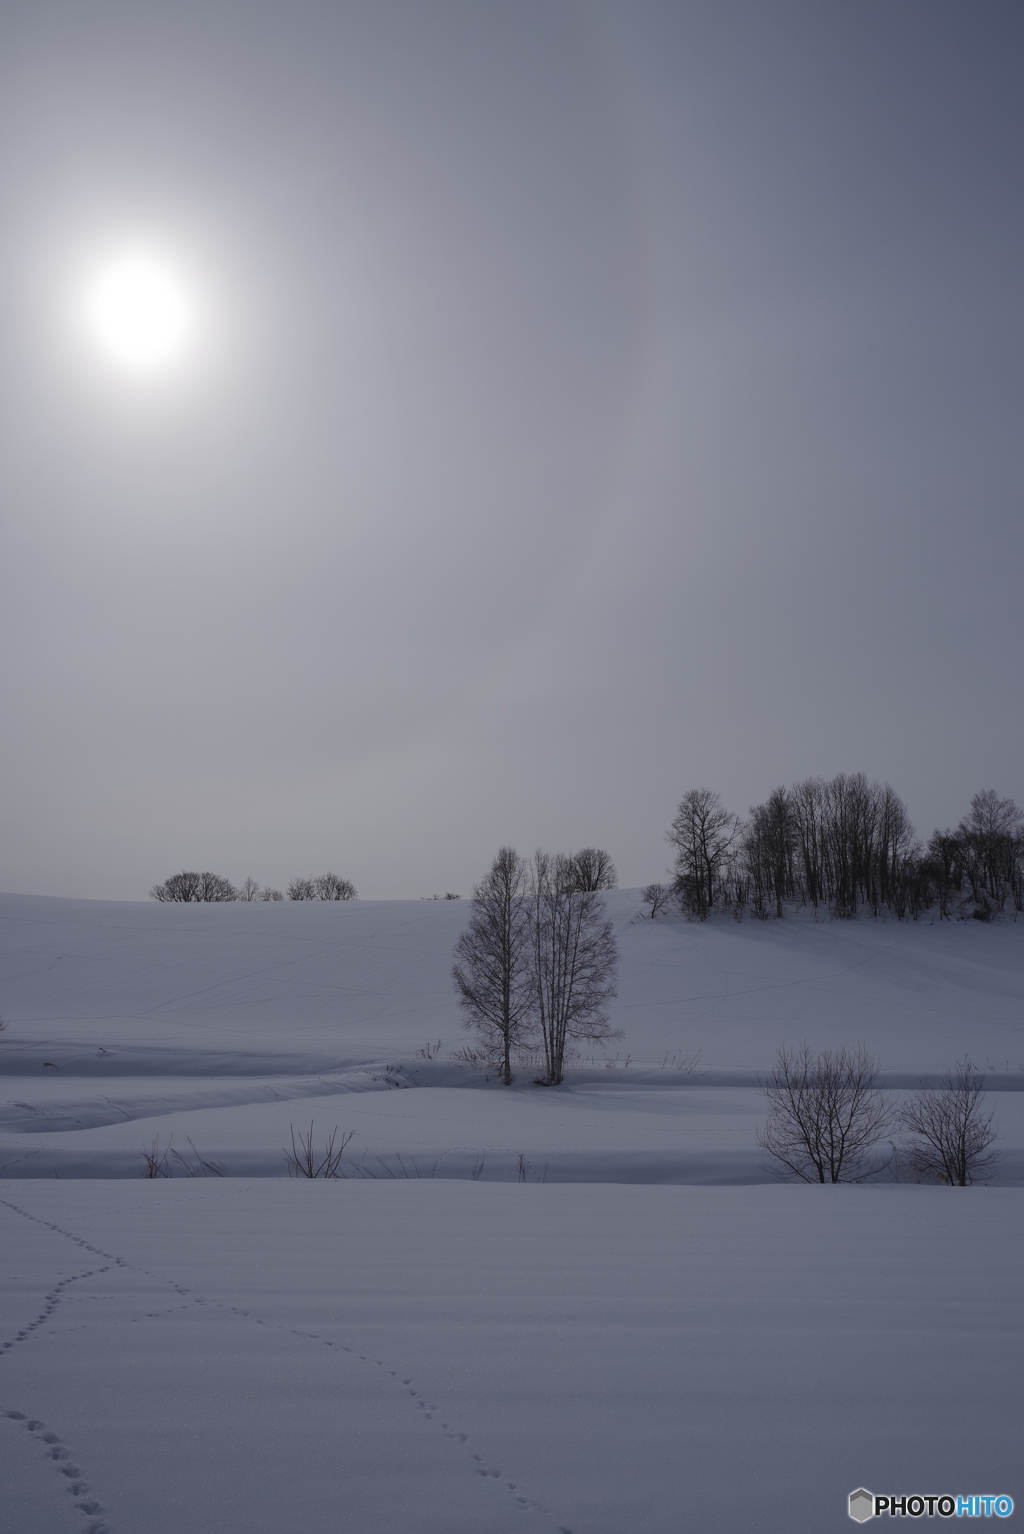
587 402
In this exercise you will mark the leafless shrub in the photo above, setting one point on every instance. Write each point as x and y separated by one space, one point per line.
387 1170
687 1064
266 893
429 1050
525 1170
303 1161
952 1136
391 1077
196 1165
162 1163
155 1160
478 1166
481 1059
826 1115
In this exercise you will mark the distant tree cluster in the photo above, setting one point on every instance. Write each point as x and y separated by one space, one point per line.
193 888
535 967
322 887
843 844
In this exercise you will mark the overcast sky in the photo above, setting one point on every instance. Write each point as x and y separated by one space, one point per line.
586 402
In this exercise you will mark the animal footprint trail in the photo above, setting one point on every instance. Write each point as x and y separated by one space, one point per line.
59 1455
429 1409
52 1300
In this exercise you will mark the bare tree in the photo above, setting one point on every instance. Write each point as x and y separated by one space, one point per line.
898 853
769 851
266 893
990 838
592 869
194 888
703 833
248 889
301 889
574 961
808 809
657 896
826 1115
493 959
952 1135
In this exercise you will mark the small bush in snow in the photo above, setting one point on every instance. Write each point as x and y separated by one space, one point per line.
826 1116
303 1161
951 1134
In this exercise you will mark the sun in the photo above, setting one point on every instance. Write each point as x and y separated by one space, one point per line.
139 312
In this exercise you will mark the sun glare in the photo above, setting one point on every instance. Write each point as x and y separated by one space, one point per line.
139 313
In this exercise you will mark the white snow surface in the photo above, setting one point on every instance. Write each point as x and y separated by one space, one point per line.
647 1334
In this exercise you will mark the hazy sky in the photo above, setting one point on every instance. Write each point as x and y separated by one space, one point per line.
587 402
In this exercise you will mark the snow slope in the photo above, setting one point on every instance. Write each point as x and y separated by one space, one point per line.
227 1025
605 1347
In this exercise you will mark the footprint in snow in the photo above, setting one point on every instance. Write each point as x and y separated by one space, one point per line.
56 1452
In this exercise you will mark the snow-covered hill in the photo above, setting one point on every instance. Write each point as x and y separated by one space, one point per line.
226 1024
489 1325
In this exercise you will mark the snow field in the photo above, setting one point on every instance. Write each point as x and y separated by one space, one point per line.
427 1356
228 1024
643 1336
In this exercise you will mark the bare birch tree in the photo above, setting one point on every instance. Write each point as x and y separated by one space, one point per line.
574 961
493 970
